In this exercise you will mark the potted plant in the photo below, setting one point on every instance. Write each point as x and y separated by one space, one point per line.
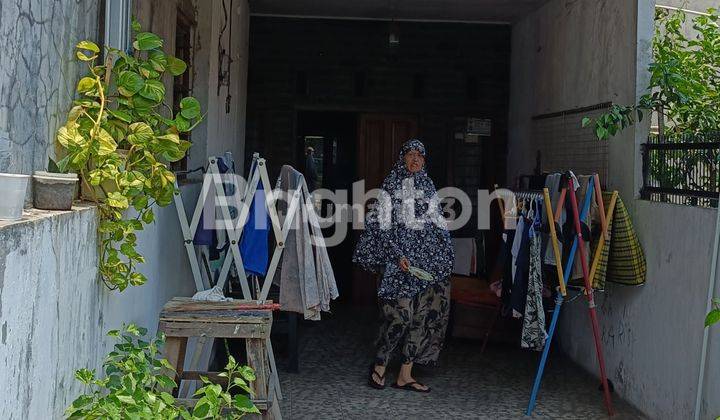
120 137
12 191
54 189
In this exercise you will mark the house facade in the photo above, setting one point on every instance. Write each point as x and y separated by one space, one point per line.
271 74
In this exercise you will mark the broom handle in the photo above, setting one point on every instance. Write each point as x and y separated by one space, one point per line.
554 241
590 298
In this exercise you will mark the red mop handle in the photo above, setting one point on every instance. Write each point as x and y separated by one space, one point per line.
590 297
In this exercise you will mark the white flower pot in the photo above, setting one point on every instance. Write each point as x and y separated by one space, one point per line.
12 195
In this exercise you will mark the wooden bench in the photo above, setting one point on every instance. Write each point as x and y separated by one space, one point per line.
182 318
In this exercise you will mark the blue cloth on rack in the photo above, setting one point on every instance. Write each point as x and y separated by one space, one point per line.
254 241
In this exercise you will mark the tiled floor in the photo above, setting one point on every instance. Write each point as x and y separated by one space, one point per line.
335 355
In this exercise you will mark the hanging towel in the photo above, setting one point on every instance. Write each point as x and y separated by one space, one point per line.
307 282
622 259
254 241
465 256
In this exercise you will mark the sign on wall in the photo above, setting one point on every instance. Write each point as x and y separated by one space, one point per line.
479 127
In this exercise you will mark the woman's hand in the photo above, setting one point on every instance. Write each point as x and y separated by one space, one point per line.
404 264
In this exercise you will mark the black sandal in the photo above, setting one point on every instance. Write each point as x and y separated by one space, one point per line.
371 381
409 387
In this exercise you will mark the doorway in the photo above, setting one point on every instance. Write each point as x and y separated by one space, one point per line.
380 137
344 147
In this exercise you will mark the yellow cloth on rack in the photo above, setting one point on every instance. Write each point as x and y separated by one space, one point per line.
622 259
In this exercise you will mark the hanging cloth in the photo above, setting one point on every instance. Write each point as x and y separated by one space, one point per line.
307 282
533 332
622 259
254 242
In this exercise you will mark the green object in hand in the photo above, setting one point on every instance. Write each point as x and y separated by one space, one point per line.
420 273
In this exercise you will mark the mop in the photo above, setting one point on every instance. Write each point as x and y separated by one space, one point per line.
563 281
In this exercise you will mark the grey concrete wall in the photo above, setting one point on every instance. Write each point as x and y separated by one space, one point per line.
55 311
223 129
571 54
38 74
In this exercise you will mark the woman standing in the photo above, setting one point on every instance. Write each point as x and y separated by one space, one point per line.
403 233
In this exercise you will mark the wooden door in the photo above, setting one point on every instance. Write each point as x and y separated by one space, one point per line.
380 137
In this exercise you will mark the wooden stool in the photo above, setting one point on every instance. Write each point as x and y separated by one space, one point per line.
183 317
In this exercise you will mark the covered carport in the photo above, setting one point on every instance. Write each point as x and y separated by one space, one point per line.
342 76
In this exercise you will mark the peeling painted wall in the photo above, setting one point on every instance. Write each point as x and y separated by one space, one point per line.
570 54
38 74
55 311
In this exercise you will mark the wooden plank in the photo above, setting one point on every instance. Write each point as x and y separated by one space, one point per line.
220 330
185 303
257 360
174 352
239 317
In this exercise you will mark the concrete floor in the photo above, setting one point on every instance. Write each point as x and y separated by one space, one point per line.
334 358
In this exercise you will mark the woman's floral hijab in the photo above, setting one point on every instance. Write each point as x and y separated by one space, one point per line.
406 222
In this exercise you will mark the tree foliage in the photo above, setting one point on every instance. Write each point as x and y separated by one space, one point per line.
684 79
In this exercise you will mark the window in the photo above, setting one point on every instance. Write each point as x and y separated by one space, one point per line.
117 24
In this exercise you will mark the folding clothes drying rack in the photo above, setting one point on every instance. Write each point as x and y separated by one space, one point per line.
563 275
213 178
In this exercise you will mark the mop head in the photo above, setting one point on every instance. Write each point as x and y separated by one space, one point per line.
214 294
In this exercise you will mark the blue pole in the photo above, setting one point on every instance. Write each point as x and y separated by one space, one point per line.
558 304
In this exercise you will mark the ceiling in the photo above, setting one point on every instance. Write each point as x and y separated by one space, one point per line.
500 11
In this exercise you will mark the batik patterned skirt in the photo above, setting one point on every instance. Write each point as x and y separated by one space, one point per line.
415 326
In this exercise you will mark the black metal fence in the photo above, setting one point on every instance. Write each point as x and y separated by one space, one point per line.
682 169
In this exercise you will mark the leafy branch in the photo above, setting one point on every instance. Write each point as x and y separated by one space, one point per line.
136 383
120 137
684 88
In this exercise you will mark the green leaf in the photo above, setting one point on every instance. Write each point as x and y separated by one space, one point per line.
121 115
129 83
167 398
106 142
247 373
147 71
148 217
244 404
140 133
181 123
88 45
190 108
145 41
87 50
157 59
126 399
117 200
153 90
86 84
166 382
175 65
586 121
85 375
135 25
712 318
201 411
171 137
69 136
53 167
